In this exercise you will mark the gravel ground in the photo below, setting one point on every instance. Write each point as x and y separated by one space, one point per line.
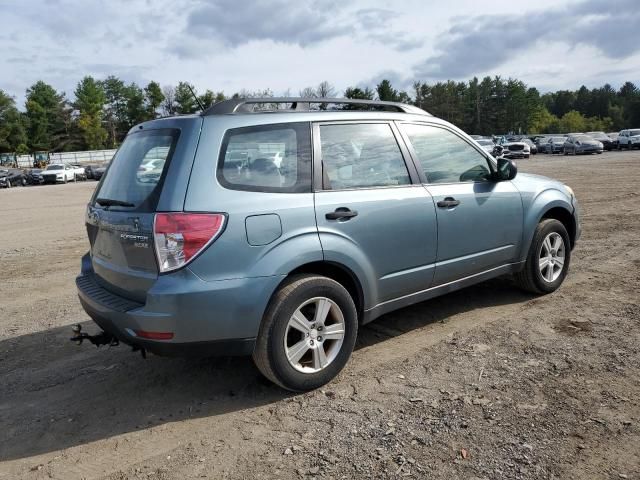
487 382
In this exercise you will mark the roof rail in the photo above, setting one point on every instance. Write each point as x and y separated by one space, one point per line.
298 104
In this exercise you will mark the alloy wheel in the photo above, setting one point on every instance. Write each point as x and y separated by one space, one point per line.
314 335
552 257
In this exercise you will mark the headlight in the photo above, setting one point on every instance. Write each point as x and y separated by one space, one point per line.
570 190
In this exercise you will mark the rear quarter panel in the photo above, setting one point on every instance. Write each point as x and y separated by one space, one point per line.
231 255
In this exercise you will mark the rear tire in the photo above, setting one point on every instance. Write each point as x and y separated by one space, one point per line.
288 346
550 247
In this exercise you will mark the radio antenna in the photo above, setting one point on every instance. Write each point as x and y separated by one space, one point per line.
196 98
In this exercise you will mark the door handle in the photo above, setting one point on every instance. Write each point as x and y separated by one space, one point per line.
448 202
340 213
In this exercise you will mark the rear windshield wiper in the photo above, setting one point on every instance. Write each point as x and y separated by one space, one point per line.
108 202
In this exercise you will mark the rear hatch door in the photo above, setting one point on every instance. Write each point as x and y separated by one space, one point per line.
121 214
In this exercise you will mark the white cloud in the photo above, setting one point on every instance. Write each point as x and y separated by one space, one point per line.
288 44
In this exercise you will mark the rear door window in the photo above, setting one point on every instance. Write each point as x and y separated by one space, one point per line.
134 178
267 158
361 156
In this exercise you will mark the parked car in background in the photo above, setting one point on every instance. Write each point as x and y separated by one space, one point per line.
12 177
486 144
513 149
629 139
79 172
97 172
614 139
555 145
89 171
533 148
578 144
58 173
34 176
371 211
540 142
603 138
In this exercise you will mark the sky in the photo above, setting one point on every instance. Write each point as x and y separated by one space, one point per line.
287 45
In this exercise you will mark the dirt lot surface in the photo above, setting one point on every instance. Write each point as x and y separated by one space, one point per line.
487 382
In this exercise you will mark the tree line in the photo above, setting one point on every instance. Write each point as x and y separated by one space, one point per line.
103 111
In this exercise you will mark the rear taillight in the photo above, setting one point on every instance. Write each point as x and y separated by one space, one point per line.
181 236
154 335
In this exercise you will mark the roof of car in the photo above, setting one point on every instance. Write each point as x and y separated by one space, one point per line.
296 104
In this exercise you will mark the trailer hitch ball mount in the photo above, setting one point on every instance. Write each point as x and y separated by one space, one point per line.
102 338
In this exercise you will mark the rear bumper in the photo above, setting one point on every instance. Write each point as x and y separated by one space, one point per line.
206 318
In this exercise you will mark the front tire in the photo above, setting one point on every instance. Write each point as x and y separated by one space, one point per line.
548 259
307 334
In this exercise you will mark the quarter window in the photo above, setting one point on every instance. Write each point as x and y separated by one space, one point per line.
361 156
267 158
446 158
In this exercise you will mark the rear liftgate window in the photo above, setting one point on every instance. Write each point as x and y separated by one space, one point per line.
267 158
137 171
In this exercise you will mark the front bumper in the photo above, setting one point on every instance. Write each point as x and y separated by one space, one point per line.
515 154
206 318
51 179
589 150
576 219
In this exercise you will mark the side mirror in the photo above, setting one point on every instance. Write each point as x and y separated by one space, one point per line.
507 169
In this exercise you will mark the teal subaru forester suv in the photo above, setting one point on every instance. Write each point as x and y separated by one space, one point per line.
276 227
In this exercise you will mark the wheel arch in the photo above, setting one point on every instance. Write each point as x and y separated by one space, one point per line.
564 216
550 203
338 272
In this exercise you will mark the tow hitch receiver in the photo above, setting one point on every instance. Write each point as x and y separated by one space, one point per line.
103 338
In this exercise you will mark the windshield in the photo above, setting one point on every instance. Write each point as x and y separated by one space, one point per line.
558 139
55 167
135 174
